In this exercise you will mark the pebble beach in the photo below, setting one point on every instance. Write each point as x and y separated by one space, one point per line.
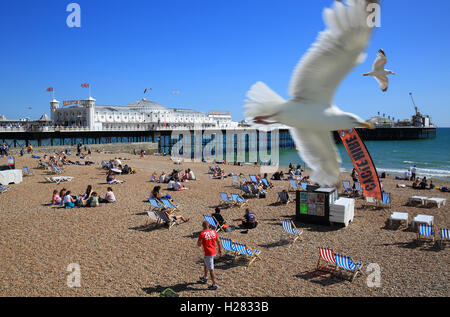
119 256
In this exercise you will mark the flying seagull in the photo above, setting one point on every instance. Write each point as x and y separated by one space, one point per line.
378 71
147 89
311 114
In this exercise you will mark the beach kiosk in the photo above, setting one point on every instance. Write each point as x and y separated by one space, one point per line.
313 205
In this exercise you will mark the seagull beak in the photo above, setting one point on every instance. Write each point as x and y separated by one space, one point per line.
367 125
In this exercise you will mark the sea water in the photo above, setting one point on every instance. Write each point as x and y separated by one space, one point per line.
431 156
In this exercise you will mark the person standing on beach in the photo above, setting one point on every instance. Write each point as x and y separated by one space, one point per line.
208 239
413 173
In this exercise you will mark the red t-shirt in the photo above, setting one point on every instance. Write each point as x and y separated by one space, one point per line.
208 238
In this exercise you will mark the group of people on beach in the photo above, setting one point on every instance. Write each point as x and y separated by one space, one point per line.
90 198
175 179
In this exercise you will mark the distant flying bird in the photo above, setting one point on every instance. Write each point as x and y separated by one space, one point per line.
311 113
378 71
147 89
175 92
29 108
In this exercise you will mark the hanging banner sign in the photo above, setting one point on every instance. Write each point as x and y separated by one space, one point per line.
367 173
70 102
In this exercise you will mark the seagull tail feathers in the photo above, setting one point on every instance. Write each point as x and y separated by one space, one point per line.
262 101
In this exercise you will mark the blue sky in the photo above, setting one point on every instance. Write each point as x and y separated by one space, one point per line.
212 52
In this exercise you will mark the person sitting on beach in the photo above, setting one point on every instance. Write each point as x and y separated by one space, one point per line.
153 178
249 220
93 200
109 197
155 194
174 217
424 183
276 176
88 192
62 193
432 186
111 178
162 178
407 175
220 219
416 183
56 199
178 186
191 175
68 200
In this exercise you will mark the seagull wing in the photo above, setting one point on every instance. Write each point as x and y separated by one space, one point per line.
335 53
380 62
383 81
319 152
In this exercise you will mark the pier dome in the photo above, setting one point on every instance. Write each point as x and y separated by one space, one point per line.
145 105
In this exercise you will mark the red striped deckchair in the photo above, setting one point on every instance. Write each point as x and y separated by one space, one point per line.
326 257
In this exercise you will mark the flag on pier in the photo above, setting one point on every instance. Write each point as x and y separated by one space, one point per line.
49 89
85 85
362 161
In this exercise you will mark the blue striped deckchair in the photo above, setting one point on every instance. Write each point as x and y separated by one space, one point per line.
386 202
213 223
155 204
293 184
236 180
164 218
169 205
27 171
247 191
345 263
265 182
358 189
226 200
348 190
228 245
425 233
244 250
254 179
304 185
445 237
289 227
239 200
244 180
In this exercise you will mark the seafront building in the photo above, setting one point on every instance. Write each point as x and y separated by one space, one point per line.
139 115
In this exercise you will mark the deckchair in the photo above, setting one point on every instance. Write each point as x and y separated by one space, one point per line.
236 180
345 263
228 245
425 233
247 191
239 200
27 171
265 182
289 227
254 179
57 170
283 198
293 185
386 202
152 217
213 223
348 190
358 189
326 258
155 204
3 189
304 185
445 237
227 202
244 180
164 218
169 205
244 250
